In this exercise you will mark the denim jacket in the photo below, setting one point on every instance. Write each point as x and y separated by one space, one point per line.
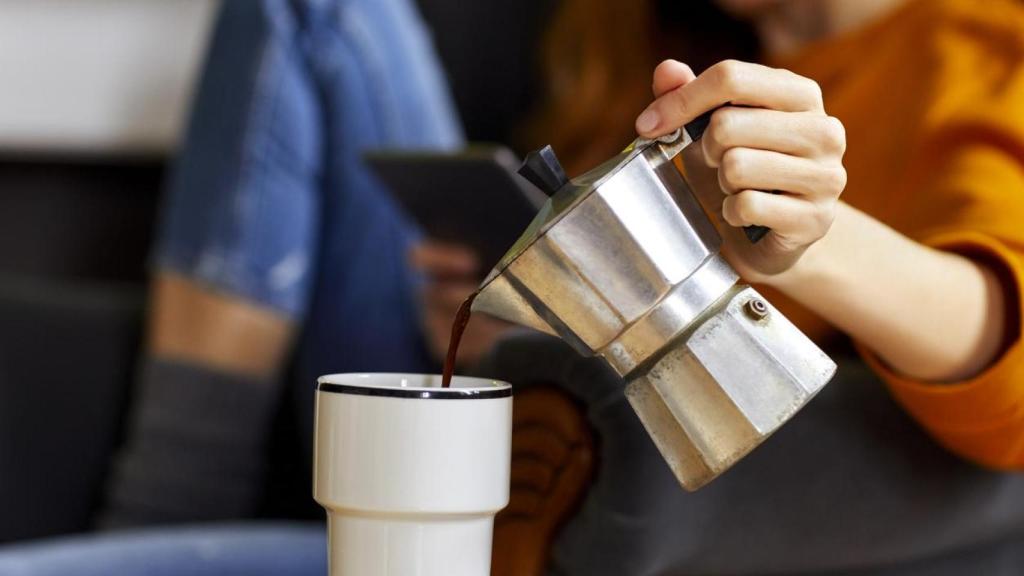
270 200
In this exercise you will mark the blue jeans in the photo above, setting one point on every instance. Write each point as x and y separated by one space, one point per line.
270 200
228 550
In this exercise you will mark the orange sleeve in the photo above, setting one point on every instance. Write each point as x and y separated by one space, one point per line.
973 205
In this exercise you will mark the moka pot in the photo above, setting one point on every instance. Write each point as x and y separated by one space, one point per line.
623 263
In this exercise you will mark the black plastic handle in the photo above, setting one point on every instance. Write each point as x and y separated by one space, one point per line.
696 129
544 171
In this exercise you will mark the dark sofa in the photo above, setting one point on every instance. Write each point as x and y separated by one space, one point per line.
73 238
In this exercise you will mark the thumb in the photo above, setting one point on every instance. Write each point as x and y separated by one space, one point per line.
669 75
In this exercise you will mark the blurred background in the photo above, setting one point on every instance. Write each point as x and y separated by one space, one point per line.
96 94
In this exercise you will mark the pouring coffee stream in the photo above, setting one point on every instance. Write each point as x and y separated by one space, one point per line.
458 328
623 263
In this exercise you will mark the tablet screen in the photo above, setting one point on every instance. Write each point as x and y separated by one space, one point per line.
471 197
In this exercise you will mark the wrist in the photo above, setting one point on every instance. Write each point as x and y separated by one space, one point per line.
819 267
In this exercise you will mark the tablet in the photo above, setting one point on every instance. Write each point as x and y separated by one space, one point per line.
472 197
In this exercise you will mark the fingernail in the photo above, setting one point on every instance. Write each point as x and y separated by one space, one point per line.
647 121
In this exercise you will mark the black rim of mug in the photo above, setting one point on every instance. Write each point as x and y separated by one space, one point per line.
420 393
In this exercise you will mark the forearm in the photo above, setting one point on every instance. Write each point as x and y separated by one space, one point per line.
930 315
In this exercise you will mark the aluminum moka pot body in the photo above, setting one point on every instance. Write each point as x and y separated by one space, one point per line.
623 263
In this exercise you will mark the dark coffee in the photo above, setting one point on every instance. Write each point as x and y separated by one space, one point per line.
458 327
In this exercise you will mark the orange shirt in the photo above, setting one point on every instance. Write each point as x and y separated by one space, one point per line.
932 98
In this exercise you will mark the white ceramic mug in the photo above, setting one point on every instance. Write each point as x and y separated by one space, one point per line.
411 474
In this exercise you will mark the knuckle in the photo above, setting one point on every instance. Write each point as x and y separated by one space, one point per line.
715 141
836 180
722 126
811 90
814 90
710 148
823 216
735 165
834 135
729 74
747 205
726 187
729 211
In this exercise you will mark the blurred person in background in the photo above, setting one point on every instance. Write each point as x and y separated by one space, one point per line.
275 239
276 245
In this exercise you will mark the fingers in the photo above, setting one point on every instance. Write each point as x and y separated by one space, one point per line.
747 168
768 132
730 81
443 260
808 135
669 75
795 220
